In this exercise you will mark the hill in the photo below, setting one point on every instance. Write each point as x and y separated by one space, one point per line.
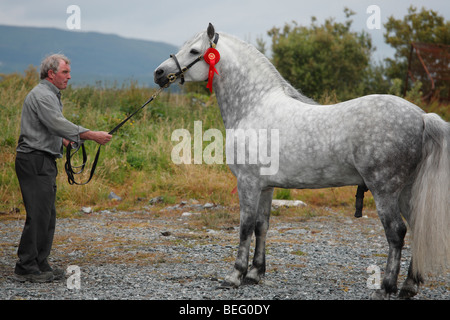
94 56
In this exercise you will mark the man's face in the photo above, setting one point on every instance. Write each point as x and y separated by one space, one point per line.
61 77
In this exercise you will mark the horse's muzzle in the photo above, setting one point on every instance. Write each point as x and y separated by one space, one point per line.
161 78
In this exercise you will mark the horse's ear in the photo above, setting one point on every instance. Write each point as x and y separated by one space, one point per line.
210 31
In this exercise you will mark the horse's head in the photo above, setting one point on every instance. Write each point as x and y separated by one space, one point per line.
187 64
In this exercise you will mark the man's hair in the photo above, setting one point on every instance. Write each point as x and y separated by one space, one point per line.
51 62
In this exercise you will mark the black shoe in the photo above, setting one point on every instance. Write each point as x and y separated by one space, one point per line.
39 277
58 274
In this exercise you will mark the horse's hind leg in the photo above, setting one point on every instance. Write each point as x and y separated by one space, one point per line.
395 229
262 225
249 194
411 285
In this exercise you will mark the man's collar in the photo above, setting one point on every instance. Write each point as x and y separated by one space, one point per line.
51 86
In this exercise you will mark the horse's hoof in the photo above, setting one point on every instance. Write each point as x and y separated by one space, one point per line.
406 294
252 277
409 289
232 280
380 295
250 281
226 285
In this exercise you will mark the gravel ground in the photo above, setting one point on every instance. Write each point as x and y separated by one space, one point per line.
148 255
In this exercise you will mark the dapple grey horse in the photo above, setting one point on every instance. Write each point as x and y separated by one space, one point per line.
382 142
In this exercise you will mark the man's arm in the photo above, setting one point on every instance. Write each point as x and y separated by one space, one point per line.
50 115
100 137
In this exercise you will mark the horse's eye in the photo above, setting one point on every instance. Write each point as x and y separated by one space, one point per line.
194 51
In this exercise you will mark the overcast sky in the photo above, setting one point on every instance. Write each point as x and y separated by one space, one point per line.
175 21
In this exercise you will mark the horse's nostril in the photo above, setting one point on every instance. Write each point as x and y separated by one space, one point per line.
159 72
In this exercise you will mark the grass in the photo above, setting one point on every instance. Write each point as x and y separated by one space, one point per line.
137 163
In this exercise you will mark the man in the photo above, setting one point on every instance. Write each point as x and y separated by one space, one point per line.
44 131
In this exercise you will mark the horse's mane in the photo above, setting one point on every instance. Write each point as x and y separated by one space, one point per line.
270 69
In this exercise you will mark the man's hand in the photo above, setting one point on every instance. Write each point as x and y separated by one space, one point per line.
66 142
100 137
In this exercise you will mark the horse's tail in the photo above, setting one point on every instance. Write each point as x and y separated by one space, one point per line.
430 201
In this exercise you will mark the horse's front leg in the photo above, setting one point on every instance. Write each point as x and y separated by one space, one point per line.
249 194
262 225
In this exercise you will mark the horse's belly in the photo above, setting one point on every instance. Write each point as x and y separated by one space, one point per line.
314 173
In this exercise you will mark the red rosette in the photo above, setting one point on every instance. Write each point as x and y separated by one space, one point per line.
211 57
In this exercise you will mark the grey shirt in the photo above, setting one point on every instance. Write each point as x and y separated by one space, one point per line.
43 125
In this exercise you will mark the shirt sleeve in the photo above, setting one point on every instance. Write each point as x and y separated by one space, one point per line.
51 116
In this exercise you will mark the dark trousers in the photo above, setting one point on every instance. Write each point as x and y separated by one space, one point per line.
37 178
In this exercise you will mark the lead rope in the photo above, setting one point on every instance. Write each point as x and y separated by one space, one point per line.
68 165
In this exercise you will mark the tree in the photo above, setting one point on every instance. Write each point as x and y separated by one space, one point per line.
425 26
322 58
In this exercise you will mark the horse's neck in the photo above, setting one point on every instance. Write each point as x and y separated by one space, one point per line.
246 80
242 83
